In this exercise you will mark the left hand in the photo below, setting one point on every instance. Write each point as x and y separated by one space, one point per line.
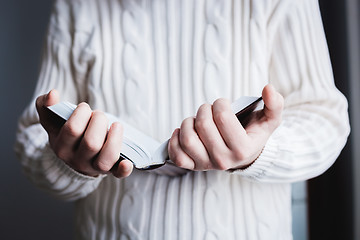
215 139
84 141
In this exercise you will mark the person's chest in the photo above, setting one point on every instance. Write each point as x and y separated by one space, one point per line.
158 61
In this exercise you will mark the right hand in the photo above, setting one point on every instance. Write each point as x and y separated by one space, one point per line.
216 140
84 141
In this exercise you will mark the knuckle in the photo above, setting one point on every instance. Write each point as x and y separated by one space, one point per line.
221 102
114 136
72 130
100 118
204 107
99 114
221 117
187 141
179 161
92 144
84 108
176 160
203 124
187 121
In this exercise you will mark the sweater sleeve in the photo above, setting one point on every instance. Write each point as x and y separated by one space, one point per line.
66 60
315 122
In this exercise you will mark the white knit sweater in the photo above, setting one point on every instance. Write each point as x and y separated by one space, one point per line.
153 63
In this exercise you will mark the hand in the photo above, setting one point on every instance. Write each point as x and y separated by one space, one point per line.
215 139
84 141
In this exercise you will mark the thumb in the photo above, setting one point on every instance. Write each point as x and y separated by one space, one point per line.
46 100
42 102
51 98
274 103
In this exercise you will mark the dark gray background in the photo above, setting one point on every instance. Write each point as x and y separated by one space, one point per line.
25 212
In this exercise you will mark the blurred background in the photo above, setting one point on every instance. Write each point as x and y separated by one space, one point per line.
327 207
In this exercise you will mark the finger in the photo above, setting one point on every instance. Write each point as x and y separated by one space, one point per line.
92 142
72 132
41 103
51 98
124 169
177 155
191 144
211 137
227 123
273 102
110 152
209 134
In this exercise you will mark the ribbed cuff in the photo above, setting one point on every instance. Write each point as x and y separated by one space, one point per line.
66 171
259 168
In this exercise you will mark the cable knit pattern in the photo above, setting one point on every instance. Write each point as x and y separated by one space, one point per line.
153 63
217 49
135 62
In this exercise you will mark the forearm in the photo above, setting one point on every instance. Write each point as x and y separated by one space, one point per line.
47 171
314 130
315 122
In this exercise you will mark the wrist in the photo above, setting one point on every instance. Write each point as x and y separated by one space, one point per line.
244 166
